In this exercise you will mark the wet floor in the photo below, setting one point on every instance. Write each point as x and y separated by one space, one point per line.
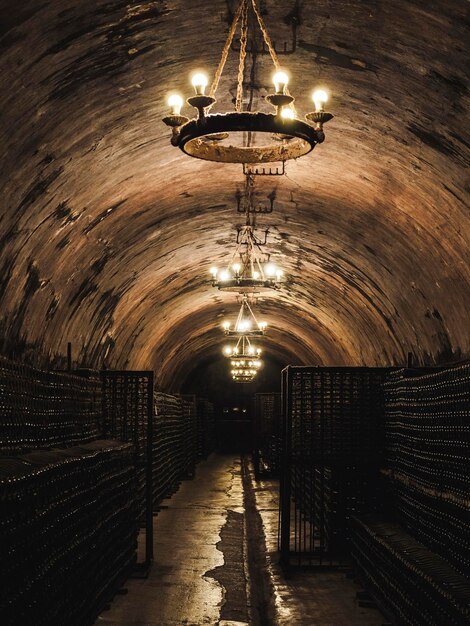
189 583
308 597
202 573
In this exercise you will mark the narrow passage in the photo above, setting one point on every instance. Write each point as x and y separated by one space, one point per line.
203 567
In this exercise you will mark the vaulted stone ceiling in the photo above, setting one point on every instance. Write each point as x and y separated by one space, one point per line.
108 232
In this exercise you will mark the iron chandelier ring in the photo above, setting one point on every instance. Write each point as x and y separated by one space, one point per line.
297 137
246 285
244 333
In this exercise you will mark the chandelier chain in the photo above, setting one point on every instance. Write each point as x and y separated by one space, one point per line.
241 65
267 39
225 51
266 36
249 208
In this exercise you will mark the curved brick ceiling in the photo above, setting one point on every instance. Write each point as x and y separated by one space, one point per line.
108 232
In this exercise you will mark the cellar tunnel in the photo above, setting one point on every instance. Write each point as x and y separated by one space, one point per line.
115 393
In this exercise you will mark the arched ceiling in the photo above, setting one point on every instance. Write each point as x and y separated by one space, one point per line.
108 232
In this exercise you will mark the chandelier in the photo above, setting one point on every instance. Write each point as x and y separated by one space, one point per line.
243 349
246 136
246 323
249 269
243 375
244 360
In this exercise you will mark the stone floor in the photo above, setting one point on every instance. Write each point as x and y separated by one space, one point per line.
201 573
307 598
183 586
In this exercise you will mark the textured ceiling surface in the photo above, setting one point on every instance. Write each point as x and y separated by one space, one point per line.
108 232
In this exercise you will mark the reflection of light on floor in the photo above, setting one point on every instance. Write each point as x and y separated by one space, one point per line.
186 531
267 500
308 597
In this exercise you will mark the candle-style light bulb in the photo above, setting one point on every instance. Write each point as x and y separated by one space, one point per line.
270 270
175 102
319 97
199 82
280 80
214 271
236 268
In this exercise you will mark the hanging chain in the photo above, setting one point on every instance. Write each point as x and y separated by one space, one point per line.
266 36
241 65
251 312
249 189
268 42
242 11
225 51
240 315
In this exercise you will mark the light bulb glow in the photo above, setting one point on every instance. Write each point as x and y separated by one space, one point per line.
319 97
214 271
226 325
199 82
228 350
263 325
256 275
224 276
279 274
287 113
270 269
175 102
244 325
236 267
280 80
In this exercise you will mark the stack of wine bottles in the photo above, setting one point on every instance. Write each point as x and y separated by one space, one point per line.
336 412
127 416
67 532
428 451
41 409
189 436
168 446
427 474
332 424
267 439
413 585
205 428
